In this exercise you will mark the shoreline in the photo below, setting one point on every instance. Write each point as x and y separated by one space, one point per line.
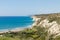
14 29
18 28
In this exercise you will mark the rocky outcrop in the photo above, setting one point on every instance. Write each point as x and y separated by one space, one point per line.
53 27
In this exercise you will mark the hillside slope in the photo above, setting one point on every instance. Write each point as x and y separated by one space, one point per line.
49 21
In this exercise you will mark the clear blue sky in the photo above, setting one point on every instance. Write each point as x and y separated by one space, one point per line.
28 7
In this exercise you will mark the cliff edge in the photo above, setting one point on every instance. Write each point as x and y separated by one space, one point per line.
49 21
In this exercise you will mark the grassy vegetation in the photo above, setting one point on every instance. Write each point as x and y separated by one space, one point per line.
27 34
36 33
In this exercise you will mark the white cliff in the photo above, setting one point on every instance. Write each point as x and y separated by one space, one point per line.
53 27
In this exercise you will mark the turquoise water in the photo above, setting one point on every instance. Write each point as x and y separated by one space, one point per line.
10 22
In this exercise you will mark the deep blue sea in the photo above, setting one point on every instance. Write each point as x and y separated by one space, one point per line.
11 22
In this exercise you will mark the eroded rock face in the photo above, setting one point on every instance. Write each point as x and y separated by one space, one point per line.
53 27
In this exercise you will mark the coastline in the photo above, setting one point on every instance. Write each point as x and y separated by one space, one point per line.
17 29
14 30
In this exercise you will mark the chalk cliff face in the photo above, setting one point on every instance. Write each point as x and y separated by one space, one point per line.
43 21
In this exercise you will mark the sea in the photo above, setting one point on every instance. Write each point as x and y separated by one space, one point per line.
12 22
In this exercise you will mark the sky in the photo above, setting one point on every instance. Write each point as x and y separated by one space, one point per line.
28 7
